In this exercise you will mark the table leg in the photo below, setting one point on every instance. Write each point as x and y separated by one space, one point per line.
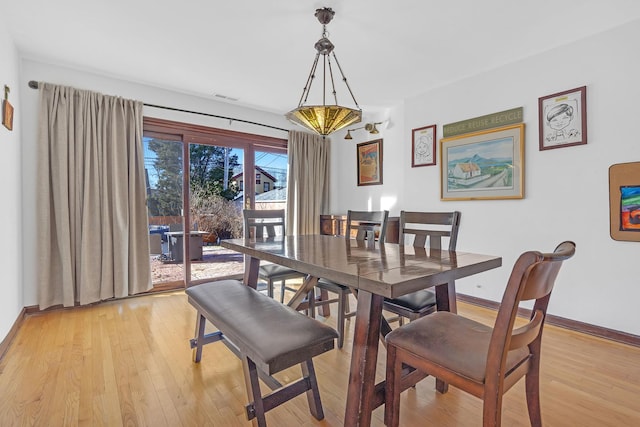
308 284
360 396
251 267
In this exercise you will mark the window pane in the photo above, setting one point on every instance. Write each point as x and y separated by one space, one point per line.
163 173
215 201
272 167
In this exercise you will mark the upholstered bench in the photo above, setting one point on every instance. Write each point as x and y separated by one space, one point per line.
268 337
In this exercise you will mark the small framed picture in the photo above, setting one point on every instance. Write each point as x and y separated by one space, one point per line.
624 201
423 146
563 119
370 162
7 114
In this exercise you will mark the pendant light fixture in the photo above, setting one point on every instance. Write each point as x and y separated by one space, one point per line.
326 118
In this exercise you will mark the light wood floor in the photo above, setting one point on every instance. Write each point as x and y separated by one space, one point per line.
129 363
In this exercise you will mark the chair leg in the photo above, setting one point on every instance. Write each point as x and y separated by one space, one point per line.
282 289
311 297
441 386
392 388
492 408
313 394
532 382
270 288
341 318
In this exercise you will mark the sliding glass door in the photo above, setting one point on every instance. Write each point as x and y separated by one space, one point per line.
215 203
164 176
190 213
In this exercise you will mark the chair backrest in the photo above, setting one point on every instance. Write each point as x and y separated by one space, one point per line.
431 226
366 224
263 223
532 278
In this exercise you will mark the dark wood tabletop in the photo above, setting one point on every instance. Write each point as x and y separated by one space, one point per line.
378 271
387 269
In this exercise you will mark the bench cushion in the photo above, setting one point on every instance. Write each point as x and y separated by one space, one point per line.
271 334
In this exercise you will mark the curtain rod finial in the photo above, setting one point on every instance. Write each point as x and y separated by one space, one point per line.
33 84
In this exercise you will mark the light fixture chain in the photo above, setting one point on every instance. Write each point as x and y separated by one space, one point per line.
344 79
324 80
333 84
307 87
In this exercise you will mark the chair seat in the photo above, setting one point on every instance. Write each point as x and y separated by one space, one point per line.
274 271
344 312
415 301
332 286
453 342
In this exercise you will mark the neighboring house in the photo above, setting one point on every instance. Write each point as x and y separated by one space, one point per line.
466 170
264 181
274 199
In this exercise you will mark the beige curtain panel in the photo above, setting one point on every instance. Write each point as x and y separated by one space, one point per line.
308 182
92 215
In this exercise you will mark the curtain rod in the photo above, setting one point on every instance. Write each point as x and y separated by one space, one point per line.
34 85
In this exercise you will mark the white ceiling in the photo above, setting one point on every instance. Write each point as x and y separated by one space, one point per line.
260 52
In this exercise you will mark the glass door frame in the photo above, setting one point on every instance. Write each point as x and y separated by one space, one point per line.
187 134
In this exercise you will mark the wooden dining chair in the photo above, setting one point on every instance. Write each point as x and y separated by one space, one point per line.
478 359
265 223
363 226
428 230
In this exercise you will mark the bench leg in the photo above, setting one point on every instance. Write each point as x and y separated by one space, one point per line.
199 334
253 392
313 394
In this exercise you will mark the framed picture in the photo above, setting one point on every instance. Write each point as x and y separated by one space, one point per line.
423 146
624 201
562 119
483 165
7 114
370 162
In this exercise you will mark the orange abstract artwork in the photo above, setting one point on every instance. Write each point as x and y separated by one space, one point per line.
370 163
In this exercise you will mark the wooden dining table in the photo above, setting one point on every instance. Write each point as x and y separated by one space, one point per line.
373 271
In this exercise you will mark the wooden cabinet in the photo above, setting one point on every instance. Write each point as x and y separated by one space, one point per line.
335 225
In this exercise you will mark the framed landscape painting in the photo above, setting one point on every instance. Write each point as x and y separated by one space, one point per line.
370 162
483 165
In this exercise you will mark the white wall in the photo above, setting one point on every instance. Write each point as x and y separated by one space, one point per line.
345 193
566 189
33 70
11 301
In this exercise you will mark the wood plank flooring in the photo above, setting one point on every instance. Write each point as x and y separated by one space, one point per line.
129 363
